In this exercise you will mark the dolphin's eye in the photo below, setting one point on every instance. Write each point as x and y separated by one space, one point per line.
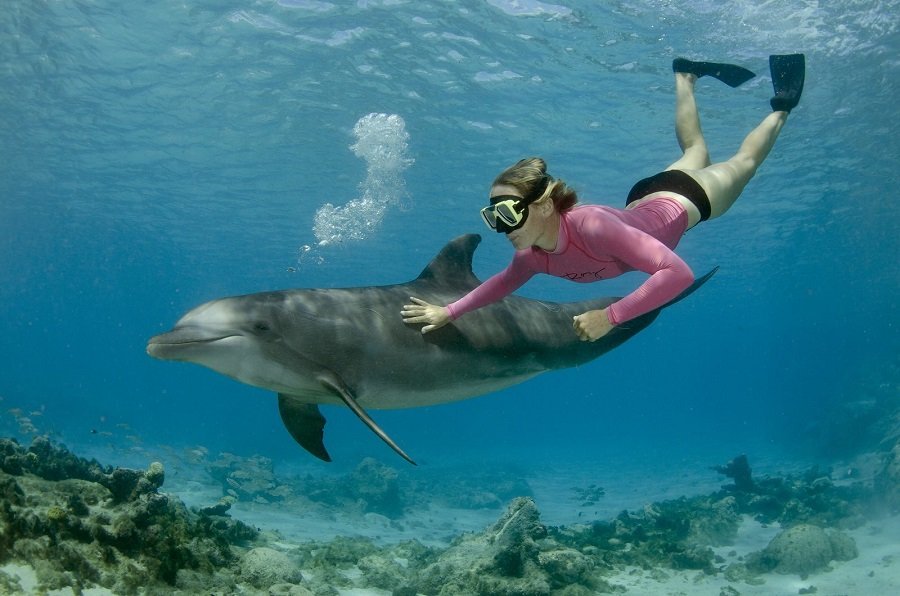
261 327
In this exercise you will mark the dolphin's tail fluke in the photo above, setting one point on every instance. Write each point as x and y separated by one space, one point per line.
690 290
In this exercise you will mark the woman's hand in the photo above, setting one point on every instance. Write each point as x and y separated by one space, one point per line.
592 325
432 315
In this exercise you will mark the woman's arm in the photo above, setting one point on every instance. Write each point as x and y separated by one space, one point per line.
493 289
669 274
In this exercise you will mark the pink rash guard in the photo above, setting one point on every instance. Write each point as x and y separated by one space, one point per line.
598 242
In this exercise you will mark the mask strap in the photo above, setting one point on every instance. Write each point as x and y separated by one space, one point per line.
539 190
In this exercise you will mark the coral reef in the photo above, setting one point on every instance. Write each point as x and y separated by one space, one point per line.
811 497
518 555
679 534
505 559
490 489
674 534
49 462
248 478
371 487
81 524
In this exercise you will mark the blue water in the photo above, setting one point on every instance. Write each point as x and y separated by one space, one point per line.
157 155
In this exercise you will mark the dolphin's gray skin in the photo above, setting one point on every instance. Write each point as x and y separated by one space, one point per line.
350 346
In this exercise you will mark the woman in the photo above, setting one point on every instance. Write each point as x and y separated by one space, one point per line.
587 243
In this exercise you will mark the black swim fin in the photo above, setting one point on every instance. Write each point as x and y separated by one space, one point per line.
788 74
730 74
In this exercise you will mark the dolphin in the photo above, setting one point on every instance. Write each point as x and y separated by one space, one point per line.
350 346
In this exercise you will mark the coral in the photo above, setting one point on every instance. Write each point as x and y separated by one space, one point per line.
490 489
392 568
376 485
674 534
739 470
802 550
514 556
342 550
9 585
843 546
714 521
262 567
288 590
371 487
219 509
565 566
382 570
810 497
332 561
248 478
81 524
514 538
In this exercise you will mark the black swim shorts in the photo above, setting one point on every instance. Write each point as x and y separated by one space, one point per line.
672 181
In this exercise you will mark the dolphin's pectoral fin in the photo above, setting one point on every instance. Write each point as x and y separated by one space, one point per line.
337 386
305 423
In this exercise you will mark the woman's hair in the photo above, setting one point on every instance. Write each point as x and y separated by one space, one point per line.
529 176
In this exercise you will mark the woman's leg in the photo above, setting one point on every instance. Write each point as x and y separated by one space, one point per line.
695 155
724 181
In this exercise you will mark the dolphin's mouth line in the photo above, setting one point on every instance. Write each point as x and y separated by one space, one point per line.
187 342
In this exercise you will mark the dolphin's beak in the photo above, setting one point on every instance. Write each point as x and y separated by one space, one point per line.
175 344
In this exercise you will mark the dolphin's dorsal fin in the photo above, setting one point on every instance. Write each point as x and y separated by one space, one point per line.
453 265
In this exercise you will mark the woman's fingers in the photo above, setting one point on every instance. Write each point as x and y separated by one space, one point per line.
419 306
433 316
416 313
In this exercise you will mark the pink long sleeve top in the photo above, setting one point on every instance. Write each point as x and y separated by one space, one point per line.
598 242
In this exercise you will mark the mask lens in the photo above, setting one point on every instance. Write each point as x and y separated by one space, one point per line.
489 215
506 212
